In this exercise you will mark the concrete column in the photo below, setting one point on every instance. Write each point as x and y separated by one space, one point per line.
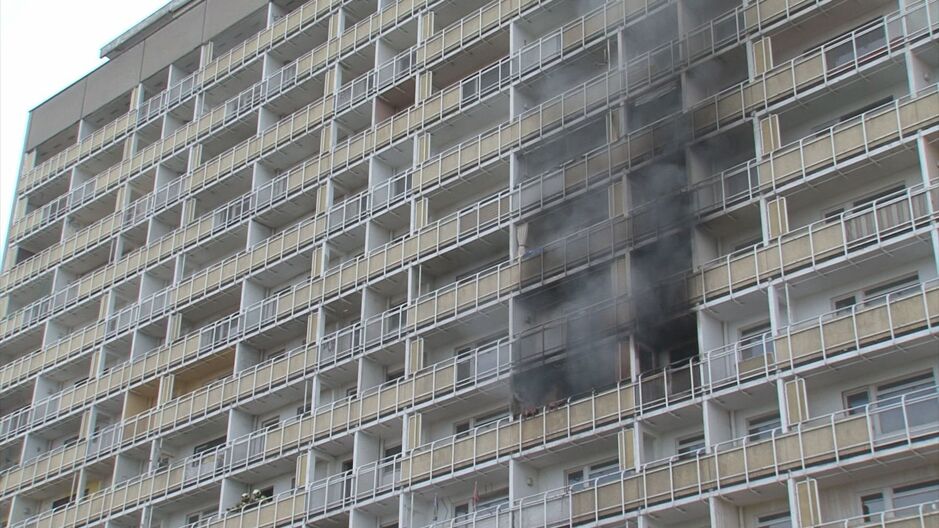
929 169
723 513
523 480
371 374
230 494
718 423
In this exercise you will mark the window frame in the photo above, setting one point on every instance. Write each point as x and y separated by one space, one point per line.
209 445
864 297
592 471
874 391
765 420
771 519
870 516
683 451
482 420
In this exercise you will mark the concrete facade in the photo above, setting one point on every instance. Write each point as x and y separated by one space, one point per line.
510 263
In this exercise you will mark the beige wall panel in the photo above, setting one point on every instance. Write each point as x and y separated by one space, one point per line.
220 14
52 116
113 79
173 41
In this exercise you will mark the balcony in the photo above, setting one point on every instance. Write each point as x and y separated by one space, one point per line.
845 235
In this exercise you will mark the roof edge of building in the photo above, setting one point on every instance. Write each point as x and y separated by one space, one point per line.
144 28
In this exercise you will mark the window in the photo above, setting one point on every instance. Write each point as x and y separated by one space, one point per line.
392 451
305 408
275 355
395 374
752 343
894 403
200 517
865 109
913 495
347 487
822 128
843 305
690 445
489 501
461 427
833 214
862 222
470 364
268 423
747 245
871 506
479 269
266 493
897 407
492 501
598 473
870 199
211 444
874 296
855 402
479 421
58 503
763 427
490 418
776 520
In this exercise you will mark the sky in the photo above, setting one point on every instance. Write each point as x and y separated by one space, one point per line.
44 47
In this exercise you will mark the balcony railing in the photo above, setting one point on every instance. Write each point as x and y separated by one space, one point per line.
880 222
835 437
855 51
287 76
640 70
283 29
476 86
427 387
674 385
587 99
919 516
499 75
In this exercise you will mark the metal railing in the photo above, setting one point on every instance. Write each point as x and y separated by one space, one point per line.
849 53
668 383
920 516
484 80
249 98
723 466
477 85
590 103
886 219
295 22
429 386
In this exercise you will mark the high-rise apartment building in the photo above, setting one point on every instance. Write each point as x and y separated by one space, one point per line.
482 263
